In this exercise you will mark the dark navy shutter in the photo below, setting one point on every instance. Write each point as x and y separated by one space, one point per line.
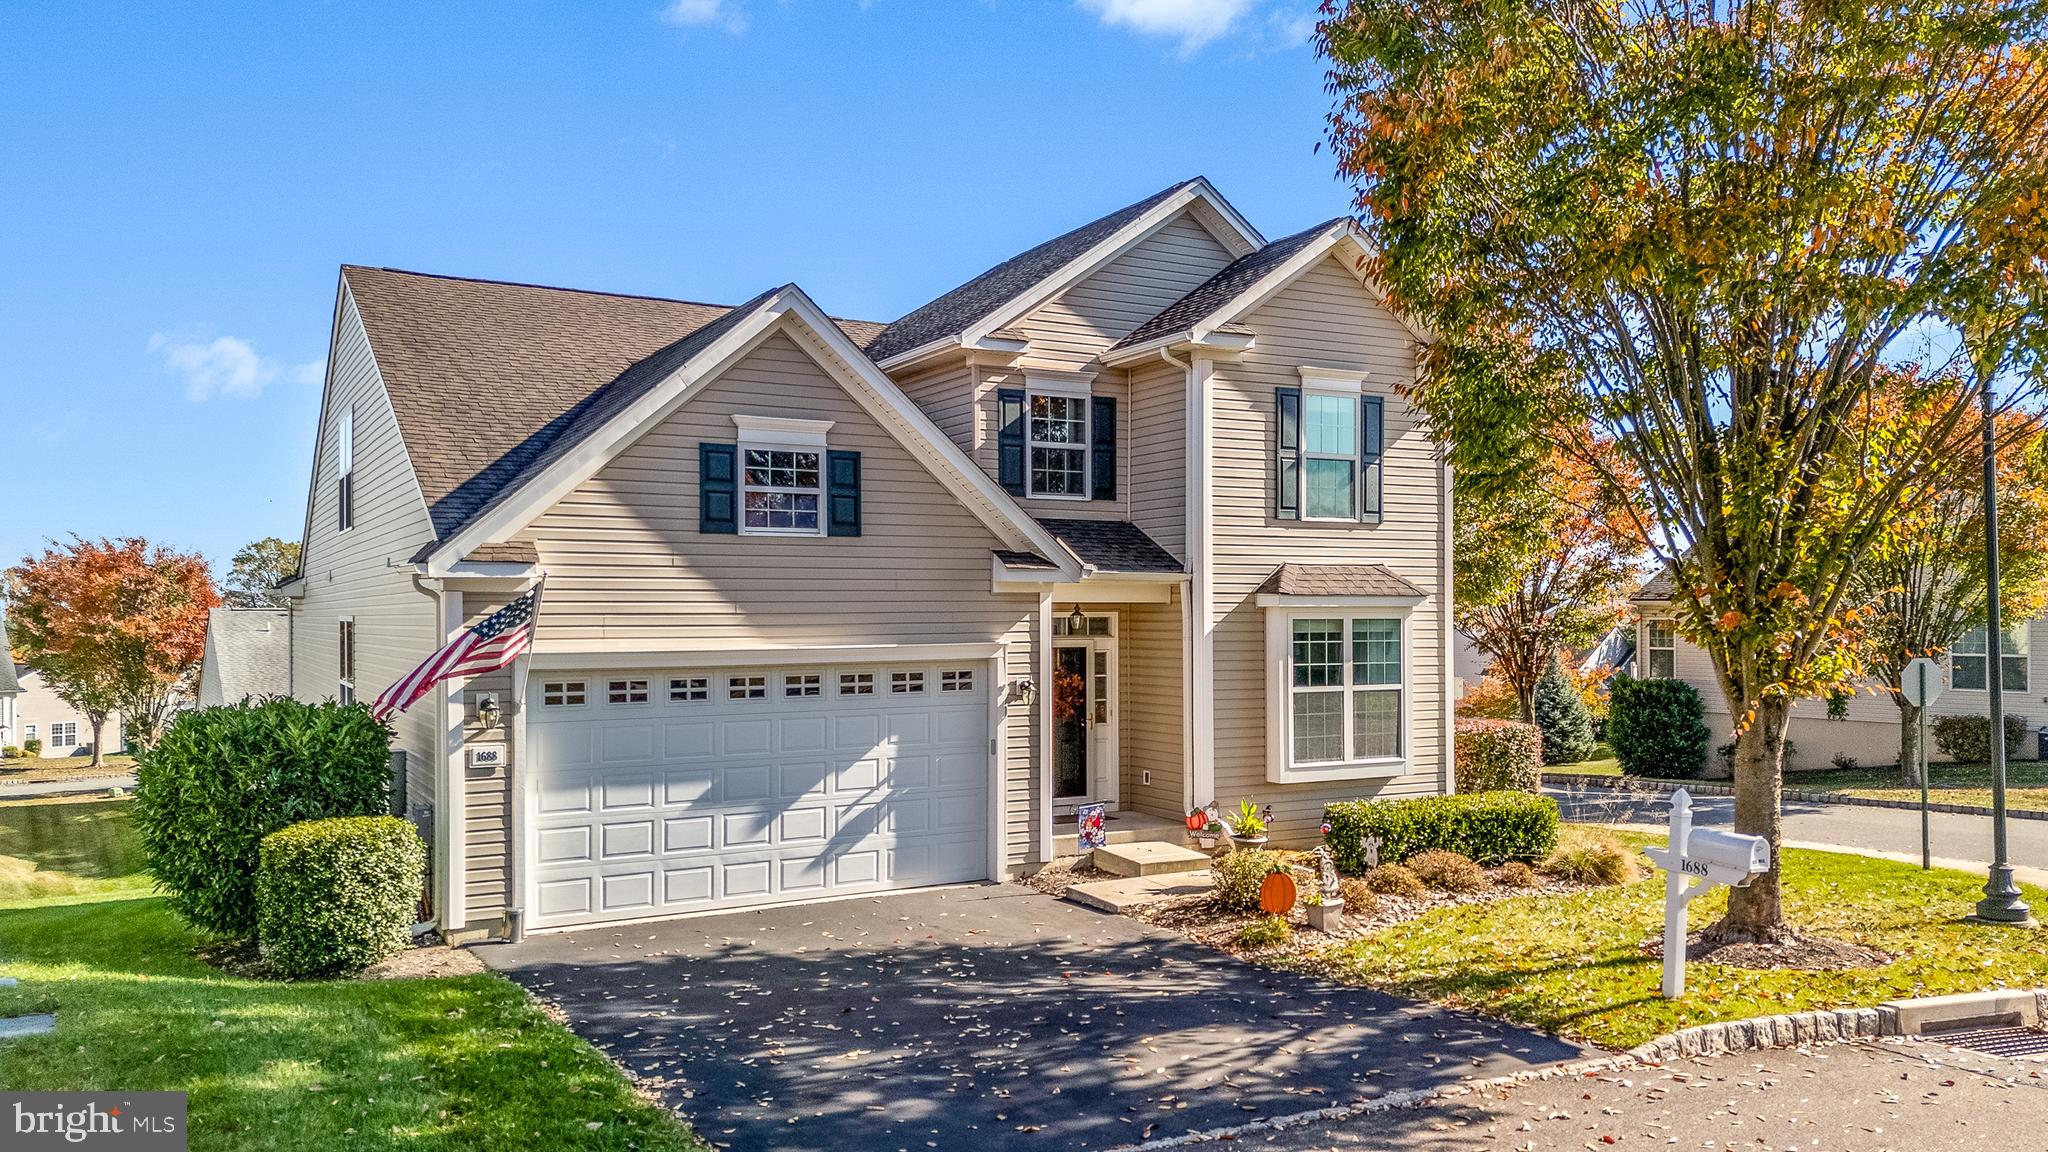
1102 426
1010 440
842 493
1287 454
718 489
1369 418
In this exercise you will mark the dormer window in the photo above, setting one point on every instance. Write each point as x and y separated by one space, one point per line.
778 480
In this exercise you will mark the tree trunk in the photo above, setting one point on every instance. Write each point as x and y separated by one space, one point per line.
1909 743
1756 913
1526 694
99 724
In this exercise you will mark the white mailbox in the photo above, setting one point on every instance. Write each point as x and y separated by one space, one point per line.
1694 862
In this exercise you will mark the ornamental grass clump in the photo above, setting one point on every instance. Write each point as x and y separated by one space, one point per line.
1515 874
1447 871
1393 880
1359 900
1236 876
1593 860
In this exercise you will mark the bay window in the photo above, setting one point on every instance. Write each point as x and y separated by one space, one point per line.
1345 694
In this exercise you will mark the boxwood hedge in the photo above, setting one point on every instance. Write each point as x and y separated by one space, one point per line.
1490 827
337 895
221 779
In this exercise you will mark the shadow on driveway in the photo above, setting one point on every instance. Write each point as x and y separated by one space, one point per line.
986 1018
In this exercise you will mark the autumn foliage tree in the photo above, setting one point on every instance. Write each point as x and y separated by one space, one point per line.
1544 565
1707 226
112 625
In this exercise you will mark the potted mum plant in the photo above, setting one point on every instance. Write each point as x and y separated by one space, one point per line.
1249 828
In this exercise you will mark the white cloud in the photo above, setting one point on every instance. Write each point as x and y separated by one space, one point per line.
704 14
227 366
1195 22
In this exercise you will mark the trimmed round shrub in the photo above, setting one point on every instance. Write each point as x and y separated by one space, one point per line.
1657 728
1967 739
337 895
1515 874
32 747
1447 871
221 779
1235 876
1490 827
1499 756
1359 899
1561 714
1594 861
1393 880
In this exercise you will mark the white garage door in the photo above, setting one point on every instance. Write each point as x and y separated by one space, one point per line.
659 793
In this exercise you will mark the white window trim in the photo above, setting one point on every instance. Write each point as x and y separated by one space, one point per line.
1281 613
1066 389
1648 648
345 687
1352 390
781 434
2024 631
570 686
345 459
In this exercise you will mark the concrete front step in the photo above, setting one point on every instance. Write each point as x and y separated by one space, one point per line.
1118 897
1149 859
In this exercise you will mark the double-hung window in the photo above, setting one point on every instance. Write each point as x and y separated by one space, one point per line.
1660 651
345 470
1345 690
782 476
1328 448
1969 660
1058 444
64 734
345 671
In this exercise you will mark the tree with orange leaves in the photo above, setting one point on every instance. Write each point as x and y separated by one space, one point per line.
113 625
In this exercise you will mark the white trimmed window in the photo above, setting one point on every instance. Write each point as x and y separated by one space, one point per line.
1056 444
782 475
1970 658
906 683
804 684
856 683
1330 456
345 470
64 734
345 663
746 687
1660 651
626 692
687 689
563 694
1339 699
956 680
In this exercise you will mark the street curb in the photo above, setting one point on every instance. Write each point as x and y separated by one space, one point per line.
1804 795
1791 1030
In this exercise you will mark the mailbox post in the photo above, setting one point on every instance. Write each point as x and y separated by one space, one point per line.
1693 864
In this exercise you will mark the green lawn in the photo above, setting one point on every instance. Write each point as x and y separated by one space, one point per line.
63 848
454 1063
64 767
2026 781
1574 964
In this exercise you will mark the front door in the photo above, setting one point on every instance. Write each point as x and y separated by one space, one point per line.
1084 747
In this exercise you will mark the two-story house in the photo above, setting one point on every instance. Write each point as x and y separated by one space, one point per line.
1138 517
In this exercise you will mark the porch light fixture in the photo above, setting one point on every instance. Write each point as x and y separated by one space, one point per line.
1077 622
487 712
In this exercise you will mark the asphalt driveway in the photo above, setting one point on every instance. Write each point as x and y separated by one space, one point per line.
985 1018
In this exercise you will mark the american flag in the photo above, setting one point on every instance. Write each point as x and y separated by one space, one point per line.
489 646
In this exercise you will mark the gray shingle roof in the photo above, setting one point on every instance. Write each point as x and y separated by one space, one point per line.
509 552
958 310
1012 558
484 375
1111 545
1657 589
9 683
252 651
1219 290
1338 580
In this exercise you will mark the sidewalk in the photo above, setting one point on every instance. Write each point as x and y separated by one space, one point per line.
29 790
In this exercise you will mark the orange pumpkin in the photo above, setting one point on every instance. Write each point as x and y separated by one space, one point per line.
1277 894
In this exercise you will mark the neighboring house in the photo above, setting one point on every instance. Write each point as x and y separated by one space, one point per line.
1139 517
1869 728
31 710
248 655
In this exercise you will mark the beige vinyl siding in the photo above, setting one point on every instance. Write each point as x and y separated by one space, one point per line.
1069 332
1149 653
1869 730
1158 455
627 567
486 792
1324 317
352 574
1022 811
947 395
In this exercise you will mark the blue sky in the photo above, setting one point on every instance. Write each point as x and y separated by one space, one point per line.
181 182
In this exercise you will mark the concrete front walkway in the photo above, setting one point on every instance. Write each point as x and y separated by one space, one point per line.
982 1018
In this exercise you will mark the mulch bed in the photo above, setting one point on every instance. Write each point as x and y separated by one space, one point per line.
1201 919
428 957
1805 953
